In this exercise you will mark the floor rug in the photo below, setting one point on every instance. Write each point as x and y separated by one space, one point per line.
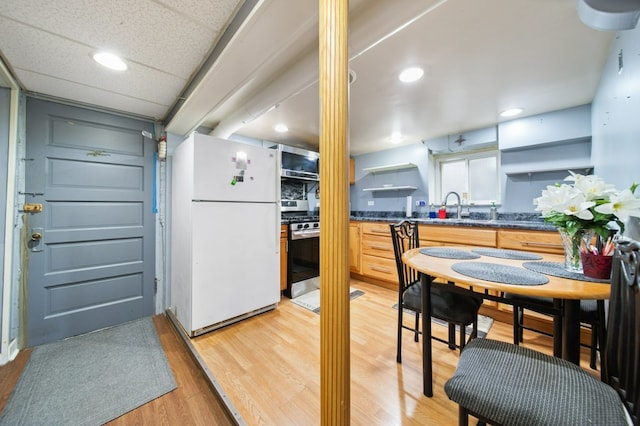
311 300
484 323
91 379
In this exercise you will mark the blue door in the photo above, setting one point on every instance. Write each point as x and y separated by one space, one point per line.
90 251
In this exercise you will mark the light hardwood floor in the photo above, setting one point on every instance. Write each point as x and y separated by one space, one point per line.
192 403
269 365
269 369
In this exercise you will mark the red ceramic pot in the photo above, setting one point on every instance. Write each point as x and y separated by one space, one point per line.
596 265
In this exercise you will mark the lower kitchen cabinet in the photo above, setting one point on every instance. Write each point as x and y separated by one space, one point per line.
283 257
436 235
538 241
378 266
377 261
354 247
373 259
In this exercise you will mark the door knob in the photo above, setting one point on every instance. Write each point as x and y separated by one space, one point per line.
36 236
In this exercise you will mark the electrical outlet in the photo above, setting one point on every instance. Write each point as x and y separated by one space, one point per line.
370 203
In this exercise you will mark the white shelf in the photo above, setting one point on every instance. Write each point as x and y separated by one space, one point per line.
390 167
391 188
557 169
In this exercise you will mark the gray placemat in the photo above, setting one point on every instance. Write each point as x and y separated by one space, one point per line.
507 254
499 273
557 270
448 253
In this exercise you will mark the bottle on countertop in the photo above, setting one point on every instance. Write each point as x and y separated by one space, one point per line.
493 214
432 212
442 213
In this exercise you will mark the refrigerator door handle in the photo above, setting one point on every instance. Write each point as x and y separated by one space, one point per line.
278 231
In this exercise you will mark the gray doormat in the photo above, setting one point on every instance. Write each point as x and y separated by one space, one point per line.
91 379
311 300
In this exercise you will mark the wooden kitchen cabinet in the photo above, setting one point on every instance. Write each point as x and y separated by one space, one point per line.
378 266
514 239
436 235
352 171
354 247
283 257
538 241
377 257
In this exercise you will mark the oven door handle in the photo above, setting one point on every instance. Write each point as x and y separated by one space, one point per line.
296 235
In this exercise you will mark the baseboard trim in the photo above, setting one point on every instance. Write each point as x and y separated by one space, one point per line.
213 383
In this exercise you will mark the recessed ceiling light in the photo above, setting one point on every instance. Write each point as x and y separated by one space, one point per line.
511 112
110 61
281 128
409 75
396 137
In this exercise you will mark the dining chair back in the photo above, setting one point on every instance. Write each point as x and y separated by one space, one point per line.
591 314
621 365
451 307
504 384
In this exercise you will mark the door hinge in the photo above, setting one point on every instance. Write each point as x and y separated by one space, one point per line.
155 285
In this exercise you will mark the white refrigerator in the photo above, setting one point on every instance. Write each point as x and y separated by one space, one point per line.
225 238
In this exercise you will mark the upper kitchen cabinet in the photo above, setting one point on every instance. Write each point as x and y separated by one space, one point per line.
566 125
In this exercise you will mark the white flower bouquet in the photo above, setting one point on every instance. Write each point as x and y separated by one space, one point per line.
588 203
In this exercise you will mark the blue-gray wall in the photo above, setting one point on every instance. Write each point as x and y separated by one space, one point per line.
613 149
391 200
616 117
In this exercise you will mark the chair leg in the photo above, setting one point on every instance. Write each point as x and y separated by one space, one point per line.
602 337
474 332
399 349
594 345
516 325
463 416
452 336
463 337
417 328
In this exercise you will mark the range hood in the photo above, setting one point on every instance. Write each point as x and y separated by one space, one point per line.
607 15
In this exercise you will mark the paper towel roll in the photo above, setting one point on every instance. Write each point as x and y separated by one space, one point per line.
409 206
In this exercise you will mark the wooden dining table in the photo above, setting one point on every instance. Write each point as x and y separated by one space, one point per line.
566 293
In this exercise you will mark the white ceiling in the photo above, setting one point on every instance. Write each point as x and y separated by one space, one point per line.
480 57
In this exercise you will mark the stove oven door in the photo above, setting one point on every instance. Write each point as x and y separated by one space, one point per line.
303 268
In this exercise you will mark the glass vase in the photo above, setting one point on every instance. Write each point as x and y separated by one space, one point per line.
571 245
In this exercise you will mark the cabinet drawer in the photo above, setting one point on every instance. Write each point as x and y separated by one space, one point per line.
458 235
381 268
375 245
540 241
376 229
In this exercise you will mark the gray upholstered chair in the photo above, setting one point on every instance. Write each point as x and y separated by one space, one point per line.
501 383
454 308
591 313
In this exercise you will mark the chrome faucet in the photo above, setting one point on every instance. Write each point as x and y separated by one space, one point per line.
459 211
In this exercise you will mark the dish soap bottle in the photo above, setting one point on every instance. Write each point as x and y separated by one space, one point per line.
432 212
493 214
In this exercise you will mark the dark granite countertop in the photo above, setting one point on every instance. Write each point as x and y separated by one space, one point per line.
529 221
478 223
505 221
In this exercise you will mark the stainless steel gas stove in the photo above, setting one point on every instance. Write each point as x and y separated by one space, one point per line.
303 257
